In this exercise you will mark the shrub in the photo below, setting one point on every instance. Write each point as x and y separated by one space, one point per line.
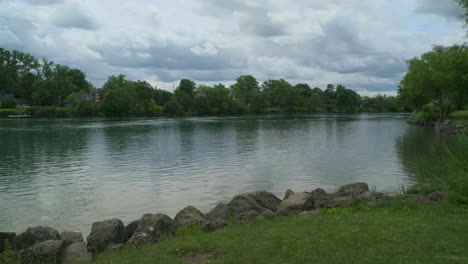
425 114
8 104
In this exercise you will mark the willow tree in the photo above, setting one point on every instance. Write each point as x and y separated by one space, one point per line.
438 77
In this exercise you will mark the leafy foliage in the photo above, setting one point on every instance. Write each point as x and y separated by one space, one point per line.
439 77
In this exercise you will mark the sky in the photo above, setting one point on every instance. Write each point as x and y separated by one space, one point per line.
362 44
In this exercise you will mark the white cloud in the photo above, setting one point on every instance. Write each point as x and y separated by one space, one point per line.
361 44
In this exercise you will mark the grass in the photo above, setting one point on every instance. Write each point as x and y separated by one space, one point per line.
459 117
447 170
391 234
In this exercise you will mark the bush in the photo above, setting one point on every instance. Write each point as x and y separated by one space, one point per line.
50 111
173 108
425 114
7 104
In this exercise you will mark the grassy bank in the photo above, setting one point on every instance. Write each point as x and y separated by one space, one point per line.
393 234
459 117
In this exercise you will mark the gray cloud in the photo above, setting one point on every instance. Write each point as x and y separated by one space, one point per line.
448 9
362 45
73 17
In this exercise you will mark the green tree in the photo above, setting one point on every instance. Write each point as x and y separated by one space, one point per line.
439 77
201 106
161 97
218 97
173 108
187 86
346 100
304 89
246 89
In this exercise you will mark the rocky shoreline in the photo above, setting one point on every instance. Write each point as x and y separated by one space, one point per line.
444 126
45 244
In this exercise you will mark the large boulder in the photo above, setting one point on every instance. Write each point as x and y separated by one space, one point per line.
288 193
105 233
353 189
370 198
71 237
243 207
188 217
295 204
220 212
265 199
131 228
49 251
34 235
4 237
153 228
76 253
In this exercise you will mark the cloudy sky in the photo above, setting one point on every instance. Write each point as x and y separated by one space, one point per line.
361 44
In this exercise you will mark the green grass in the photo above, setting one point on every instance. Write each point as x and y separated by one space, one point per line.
459 117
446 170
392 234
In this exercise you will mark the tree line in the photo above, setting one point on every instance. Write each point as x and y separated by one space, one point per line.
44 83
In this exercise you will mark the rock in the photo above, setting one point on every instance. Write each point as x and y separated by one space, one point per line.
105 233
268 214
249 215
153 228
76 253
370 198
243 206
71 237
437 196
114 248
265 199
353 189
308 213
42 252
188 217
34 235
339 201
7 236
413 189
131 228
321 198
287 194
213 225
220 212
295 203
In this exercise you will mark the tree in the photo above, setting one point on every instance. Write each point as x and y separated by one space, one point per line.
280 93
187 86
173 108
246 89
439 77
304 89
218 97
464 4
161 97
346 99
201 106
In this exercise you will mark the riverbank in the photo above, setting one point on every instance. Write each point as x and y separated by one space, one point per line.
63 112
38 244
456 123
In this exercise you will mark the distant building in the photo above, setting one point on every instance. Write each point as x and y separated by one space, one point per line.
97 95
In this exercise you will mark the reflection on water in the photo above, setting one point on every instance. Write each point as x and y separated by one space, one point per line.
70 173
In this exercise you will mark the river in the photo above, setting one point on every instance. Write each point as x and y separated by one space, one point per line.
69 173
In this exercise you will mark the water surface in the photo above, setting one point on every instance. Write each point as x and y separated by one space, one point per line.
68 173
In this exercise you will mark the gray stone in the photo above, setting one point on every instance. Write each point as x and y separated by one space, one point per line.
295 204
339 201
34 235
114 248
265 199
188 217
105 233
220 212
131 228
353 189
268 214
288 193
437 196
42 252
76 253
243 206
71 237
370 198
153 228
4 237
213 225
